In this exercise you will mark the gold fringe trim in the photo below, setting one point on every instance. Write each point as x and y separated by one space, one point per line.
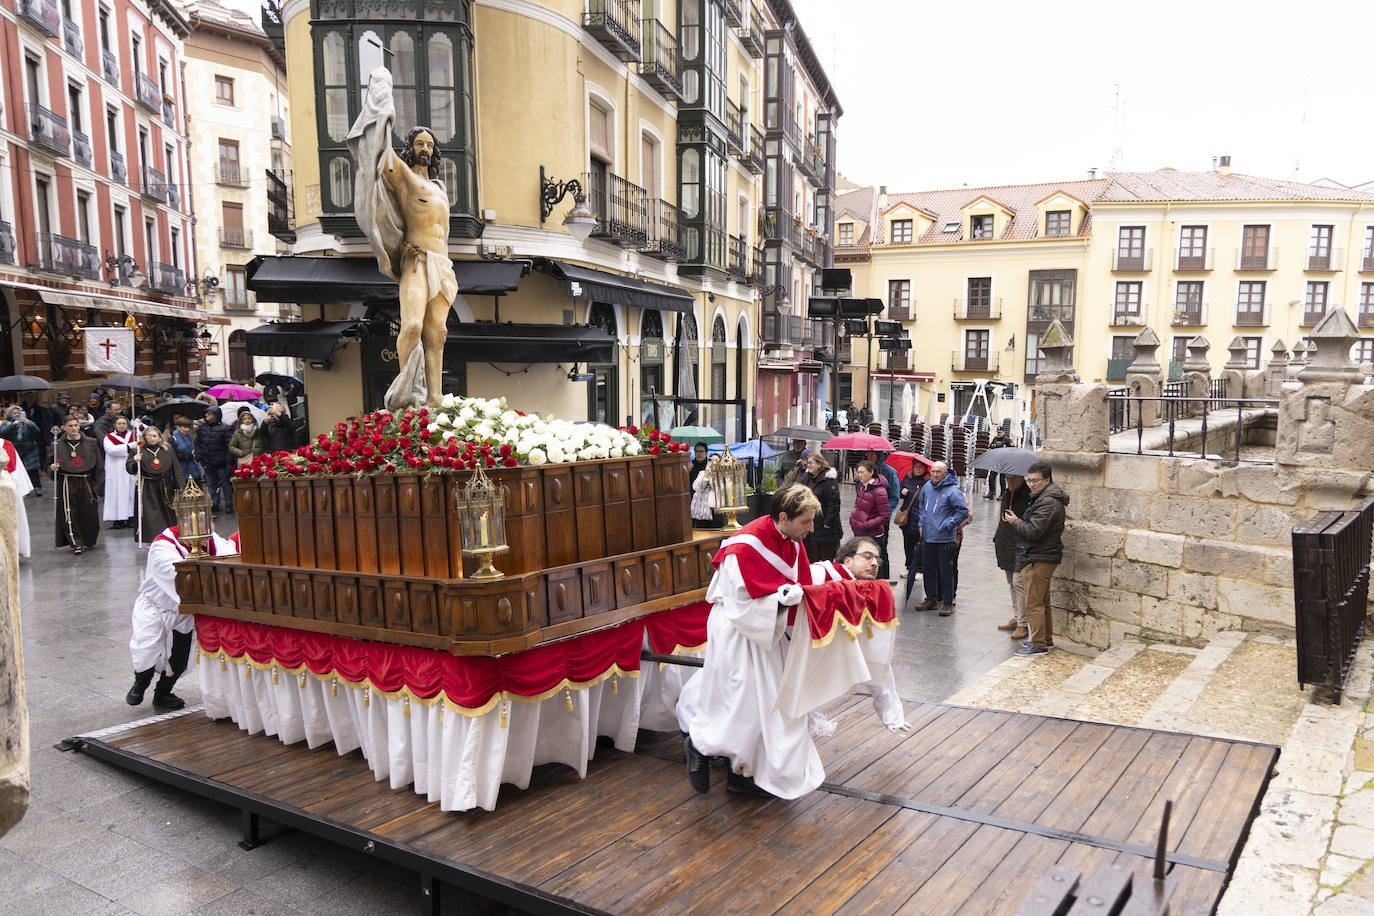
504 697
866 624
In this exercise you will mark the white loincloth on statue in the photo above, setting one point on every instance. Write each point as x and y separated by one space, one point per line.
729 708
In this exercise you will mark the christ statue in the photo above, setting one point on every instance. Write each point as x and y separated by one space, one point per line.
402 208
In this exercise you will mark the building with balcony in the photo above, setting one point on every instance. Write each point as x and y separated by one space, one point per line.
626 104
95 223
1215 253
240 146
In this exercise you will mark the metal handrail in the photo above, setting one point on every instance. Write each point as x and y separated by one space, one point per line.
1175 409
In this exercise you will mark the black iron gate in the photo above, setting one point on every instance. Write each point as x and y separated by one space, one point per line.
1331 555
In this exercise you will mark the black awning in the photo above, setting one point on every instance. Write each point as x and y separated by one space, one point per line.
584 282
485 342
300 339
345 281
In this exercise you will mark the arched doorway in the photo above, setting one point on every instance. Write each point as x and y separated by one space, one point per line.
603 405
240 363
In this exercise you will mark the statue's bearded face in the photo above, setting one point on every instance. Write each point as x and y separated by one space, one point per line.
422 148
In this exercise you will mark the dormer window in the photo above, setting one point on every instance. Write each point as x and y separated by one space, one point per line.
1057 222
901 232
951 227
980 227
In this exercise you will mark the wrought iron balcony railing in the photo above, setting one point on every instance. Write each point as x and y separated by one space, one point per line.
1367 264
41 13
754 161
49 130
228 173
662 63
71 37
1256 260
666 237
118 170
1133 260
962 361
238 300
7 243
756 272
1125 318
109 67
1190 316
734 12
1189 260
737 266
167 279
734 128
147 92
619 207
62 255
898 311
173 195
615 23
169 113
980 309
780 224
1328 259
154 184
751 34
777 329
235 237
81 149
1250 319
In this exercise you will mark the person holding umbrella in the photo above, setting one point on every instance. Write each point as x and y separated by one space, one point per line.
1001 440
893 485
26 437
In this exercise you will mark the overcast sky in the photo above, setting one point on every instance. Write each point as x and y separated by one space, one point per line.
941 95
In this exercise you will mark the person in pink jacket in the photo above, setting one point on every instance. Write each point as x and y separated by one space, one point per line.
869 518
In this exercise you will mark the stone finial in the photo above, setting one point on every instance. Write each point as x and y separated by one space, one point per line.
1299 353
1279 359
1332 339
1197 356
1145 362
1237 350
1057 346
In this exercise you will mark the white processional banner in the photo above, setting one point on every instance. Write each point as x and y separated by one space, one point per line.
110 350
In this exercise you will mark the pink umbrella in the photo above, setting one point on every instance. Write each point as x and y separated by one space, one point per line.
859 442
234 393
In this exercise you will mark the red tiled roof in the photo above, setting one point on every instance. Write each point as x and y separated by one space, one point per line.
1170 185
1020 199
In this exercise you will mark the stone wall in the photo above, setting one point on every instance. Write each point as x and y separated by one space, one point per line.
1181 548
14 718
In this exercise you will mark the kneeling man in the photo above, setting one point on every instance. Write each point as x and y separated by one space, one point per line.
728 708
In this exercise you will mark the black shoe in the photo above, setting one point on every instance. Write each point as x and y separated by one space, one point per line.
698 766
989 496
141 681
946 610
167 700
745 785
926 605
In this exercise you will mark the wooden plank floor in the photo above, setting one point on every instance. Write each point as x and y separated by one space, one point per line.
961 814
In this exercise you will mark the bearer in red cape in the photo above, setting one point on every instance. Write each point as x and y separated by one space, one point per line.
161 640
728 708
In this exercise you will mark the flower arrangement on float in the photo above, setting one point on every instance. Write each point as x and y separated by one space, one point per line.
460 434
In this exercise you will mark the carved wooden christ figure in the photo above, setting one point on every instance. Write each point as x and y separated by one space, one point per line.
402 208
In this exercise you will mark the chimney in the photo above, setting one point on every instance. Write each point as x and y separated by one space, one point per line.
882 197
1224 169
1092 173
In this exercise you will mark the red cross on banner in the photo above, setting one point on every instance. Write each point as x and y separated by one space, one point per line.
110 350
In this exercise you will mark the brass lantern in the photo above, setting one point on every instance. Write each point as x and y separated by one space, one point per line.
727 483
192 505
482 513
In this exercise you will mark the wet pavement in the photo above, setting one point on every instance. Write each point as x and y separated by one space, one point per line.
97 839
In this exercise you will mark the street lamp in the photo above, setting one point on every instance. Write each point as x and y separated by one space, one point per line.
580 220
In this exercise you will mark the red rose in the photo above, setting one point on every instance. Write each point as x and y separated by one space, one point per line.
654 450
471 463
505 451
653 435
405 441
634 430
510 462
368 451
491 462
452 450
340 427
272 473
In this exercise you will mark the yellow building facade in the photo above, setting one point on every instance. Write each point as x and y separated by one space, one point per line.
978 274
648 106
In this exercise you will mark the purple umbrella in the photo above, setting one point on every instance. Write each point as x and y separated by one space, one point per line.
234 393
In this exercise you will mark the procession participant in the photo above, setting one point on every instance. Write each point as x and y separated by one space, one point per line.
161 639
728 708
119 483
76 459
860 558
155 462
22 486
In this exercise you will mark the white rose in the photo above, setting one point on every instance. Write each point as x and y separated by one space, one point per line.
585 454
555 454
632 448
449 434
617 452
467 413
444 419
448 401
600 452
432 428
508 418
482 431
536 456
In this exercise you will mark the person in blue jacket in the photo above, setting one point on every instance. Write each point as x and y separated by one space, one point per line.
943 512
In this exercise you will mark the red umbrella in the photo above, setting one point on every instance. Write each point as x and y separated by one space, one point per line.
859 442
901 462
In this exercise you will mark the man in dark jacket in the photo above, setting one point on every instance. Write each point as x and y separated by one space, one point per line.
1039 548
1015 497
280 429
104 425
212 451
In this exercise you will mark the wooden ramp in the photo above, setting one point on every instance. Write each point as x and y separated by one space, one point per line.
963 814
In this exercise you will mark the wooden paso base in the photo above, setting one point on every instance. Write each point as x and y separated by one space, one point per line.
965 813
462 616
407 524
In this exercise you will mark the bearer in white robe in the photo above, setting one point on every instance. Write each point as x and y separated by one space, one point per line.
859 558
23 487
119 483
161 640
728 709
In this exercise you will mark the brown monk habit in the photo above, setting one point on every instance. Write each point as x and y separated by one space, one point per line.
80 477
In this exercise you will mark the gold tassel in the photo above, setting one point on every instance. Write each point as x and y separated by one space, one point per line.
302 681
504 704
615 685
567 694
247 670
405 707
274 677
223 665
868 629
367 697
441 713
334 687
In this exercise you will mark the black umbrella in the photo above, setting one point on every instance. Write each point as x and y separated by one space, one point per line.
190 408
127 382
809 433
1014 461
23 383
182 391
281 381
212 382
